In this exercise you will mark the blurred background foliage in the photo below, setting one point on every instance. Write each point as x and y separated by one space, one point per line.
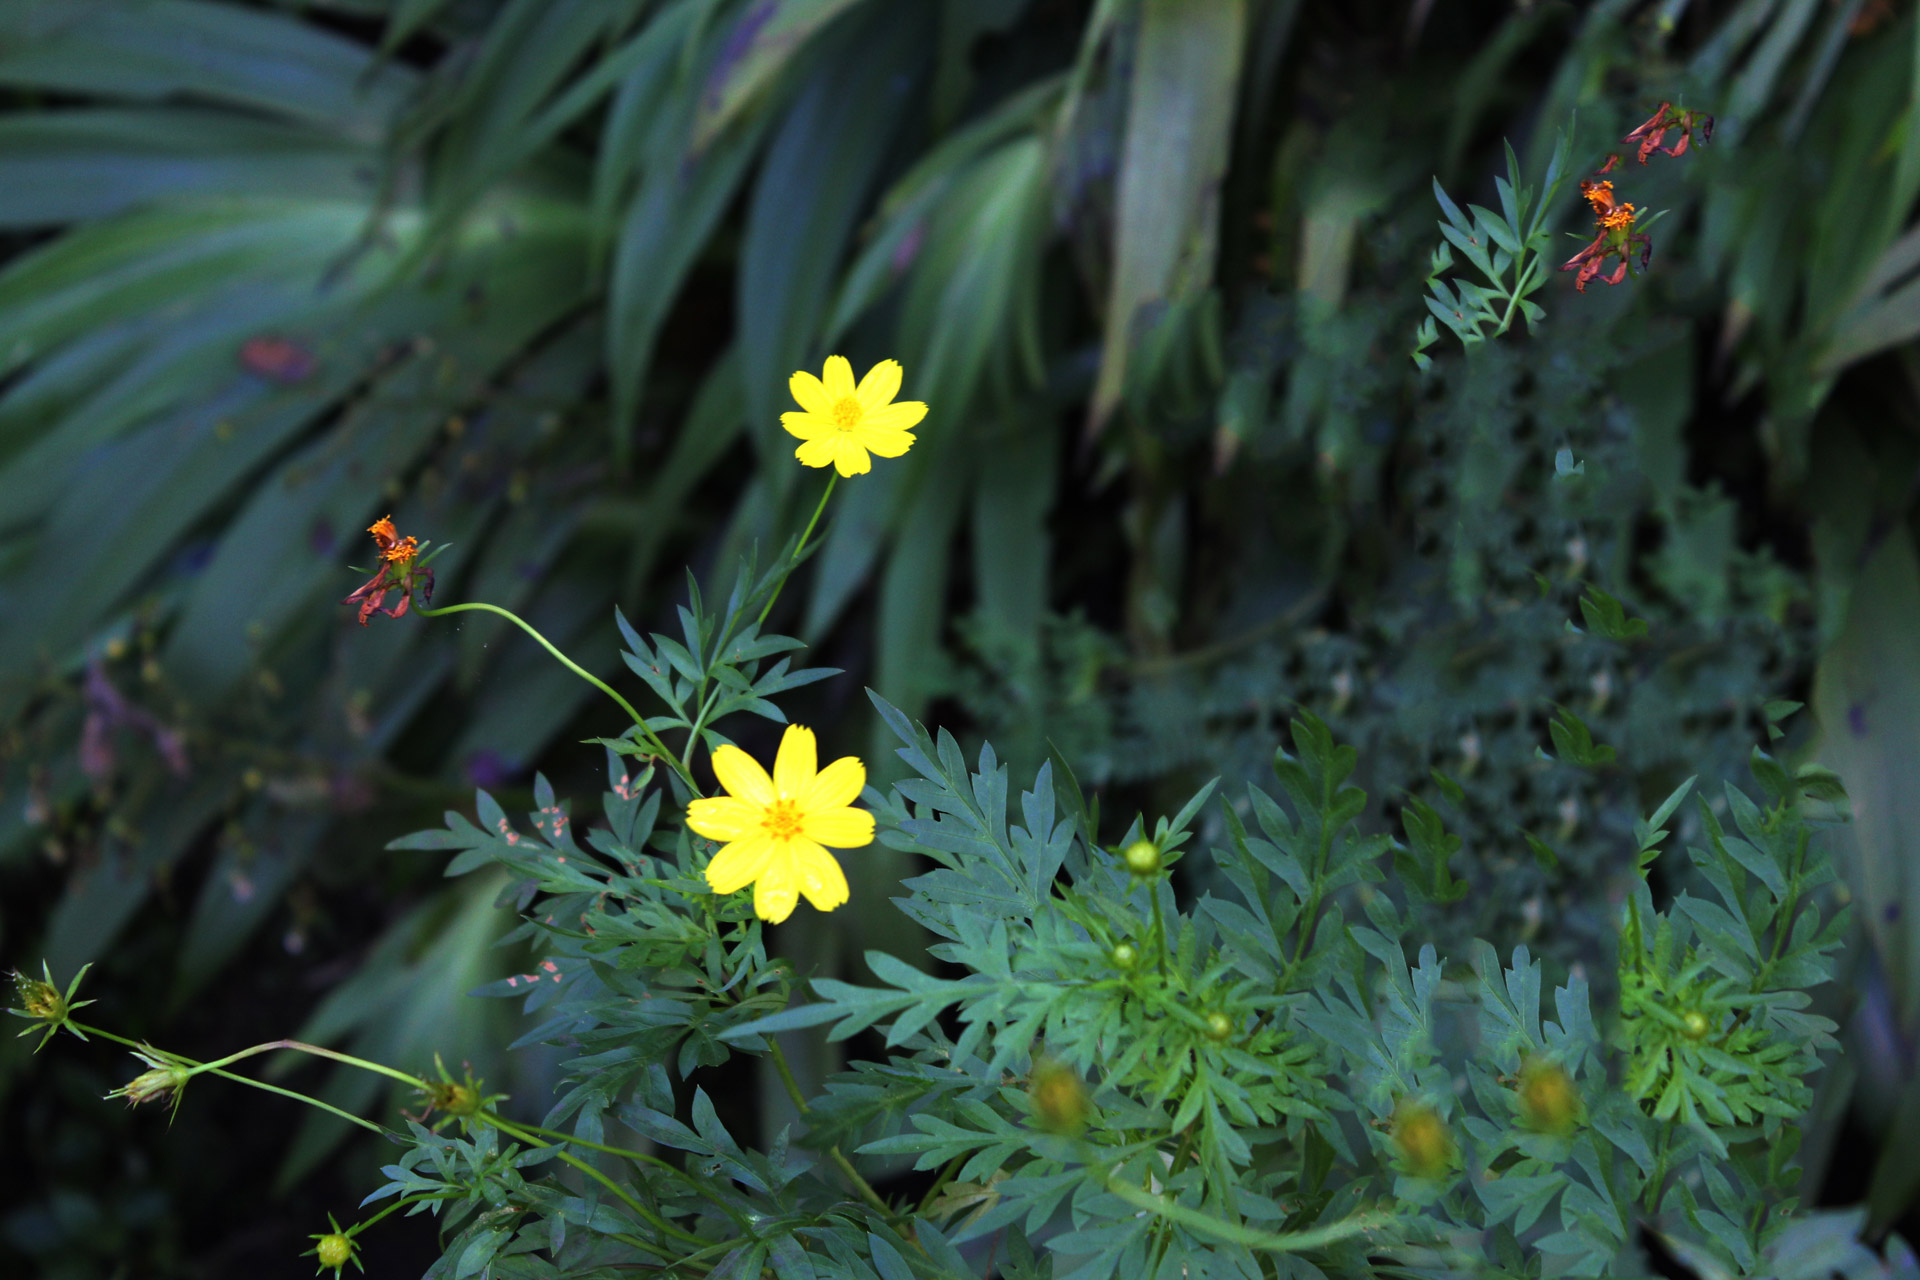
531 275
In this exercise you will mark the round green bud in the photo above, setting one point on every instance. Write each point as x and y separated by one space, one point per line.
1549 1102
1421 1138
1696 1024
1219 1027
335 1251
1124 956
1142 857
1059 1097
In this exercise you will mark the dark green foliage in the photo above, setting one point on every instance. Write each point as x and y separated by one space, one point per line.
531 275
1269 1083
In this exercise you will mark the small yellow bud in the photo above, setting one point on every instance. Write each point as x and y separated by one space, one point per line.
1059 1098
46 1005
453 1098
1124 956
334 1251
1142 858
1696 1024
1219 1027
163 1081
39 999
1421 1136
1549 1102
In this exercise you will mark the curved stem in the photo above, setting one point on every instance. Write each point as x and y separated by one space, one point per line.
653 739
799 548
839 1157
658 1223
299 1046
638 1157
213 1068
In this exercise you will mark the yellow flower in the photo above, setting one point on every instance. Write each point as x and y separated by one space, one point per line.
774 827
840 424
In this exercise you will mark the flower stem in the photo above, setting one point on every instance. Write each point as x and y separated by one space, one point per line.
839 1158
653 739
658 1223
799 548
213 1068
298 1046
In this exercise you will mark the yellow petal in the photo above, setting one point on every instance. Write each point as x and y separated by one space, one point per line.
836 786
775 892
849 459
896 417
723 817
805 426
740 863
880 386
794 767
809 394
838 380
819 453
820 876
841 828
888 444
742 776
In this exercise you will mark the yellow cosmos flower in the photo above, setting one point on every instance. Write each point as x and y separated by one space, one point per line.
840 424
774 827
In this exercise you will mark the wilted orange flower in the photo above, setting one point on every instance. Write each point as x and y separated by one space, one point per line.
398 572
1665 120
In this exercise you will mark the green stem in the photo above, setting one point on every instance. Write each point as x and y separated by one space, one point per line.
403 1203
653 739
1159 924
658 1223
839 1158
638 1157
297 1046
213 1069
799 549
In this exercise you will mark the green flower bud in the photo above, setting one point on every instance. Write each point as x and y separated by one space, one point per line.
164 1081
1219 1027
1549 1102
1124 956
1421 1138
1059 1098
335 1249
1696 1023
46 1005
1142 858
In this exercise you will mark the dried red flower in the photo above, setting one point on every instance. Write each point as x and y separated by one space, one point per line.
1667 119
398 572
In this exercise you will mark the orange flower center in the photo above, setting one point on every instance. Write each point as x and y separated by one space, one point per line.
1619 218
402 550
783 820
846 412
1599 195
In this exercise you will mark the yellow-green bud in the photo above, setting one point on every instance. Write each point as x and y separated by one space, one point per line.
1696 1024
1059 1098
334 1251
1549 1101
456 1099
1421 1137
39 999
163 1081
1124 956
1142 858
1219 1027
